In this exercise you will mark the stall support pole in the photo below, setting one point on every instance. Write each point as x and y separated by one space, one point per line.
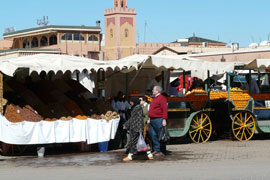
228 85
259 78
249 84
184 82
1 93
208 84
208 81
162 72
127 86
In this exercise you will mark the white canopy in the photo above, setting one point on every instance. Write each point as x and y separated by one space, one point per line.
47 63
258 64
55 63
197 67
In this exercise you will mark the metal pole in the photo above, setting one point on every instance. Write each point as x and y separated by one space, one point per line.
184 82
249 84
228 85
259 78
1 93
127 86
162 80
208 80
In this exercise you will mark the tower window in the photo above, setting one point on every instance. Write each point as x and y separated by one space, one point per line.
69 36
44 41
78 37
26 43
126 33
111 33
93 38
63 37
34 42
53 40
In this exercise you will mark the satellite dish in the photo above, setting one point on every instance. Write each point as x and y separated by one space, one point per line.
253 45
8 30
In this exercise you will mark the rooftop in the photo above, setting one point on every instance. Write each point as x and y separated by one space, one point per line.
52 28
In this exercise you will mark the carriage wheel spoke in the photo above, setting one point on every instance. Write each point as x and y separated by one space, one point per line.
249 132
206 125
237 128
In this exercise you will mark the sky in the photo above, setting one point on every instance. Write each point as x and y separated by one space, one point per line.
160 21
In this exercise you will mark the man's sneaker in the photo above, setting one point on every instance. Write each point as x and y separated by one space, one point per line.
126 159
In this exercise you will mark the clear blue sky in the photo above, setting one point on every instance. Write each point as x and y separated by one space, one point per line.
243 21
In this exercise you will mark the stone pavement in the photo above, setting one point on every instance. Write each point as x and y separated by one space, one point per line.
223 159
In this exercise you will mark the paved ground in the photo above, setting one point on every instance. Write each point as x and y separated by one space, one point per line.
223 159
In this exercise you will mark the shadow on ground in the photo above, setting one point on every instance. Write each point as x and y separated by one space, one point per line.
88 159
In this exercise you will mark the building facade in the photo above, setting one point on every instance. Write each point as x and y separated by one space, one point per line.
72 40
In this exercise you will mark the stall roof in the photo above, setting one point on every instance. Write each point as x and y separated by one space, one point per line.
47 63
197 67
63 63
258 64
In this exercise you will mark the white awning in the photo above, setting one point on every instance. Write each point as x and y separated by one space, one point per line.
63 63
197 67
49 62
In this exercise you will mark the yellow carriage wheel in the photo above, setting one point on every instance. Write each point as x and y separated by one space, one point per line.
200 128
243 126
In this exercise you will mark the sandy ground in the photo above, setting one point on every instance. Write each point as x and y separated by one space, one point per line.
224 159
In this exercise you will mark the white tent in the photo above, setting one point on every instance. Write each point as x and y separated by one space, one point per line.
197 67
47 63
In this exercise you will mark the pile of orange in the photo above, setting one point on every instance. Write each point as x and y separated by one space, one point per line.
239 98
218 95
149 99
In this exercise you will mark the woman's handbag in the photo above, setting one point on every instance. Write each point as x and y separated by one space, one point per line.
141 145
164 136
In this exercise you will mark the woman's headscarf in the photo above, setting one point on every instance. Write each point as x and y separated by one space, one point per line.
135 100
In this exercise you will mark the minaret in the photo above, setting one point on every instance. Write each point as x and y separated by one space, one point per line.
120 31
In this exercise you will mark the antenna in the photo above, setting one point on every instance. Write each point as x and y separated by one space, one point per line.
10 29
145 24
43 22
252 38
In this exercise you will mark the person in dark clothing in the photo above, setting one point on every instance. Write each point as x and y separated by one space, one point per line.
135 125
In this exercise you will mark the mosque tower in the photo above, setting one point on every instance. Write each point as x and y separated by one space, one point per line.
120 31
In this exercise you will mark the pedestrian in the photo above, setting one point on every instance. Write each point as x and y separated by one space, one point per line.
135 125
158 114
145 105
121 105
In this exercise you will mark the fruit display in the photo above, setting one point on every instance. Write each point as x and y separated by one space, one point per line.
47 100
197 91
237 89
239 98
149 99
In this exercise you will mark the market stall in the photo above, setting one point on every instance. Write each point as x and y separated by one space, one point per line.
44 100
191 114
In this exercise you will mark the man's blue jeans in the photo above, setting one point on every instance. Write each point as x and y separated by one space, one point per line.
154 131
